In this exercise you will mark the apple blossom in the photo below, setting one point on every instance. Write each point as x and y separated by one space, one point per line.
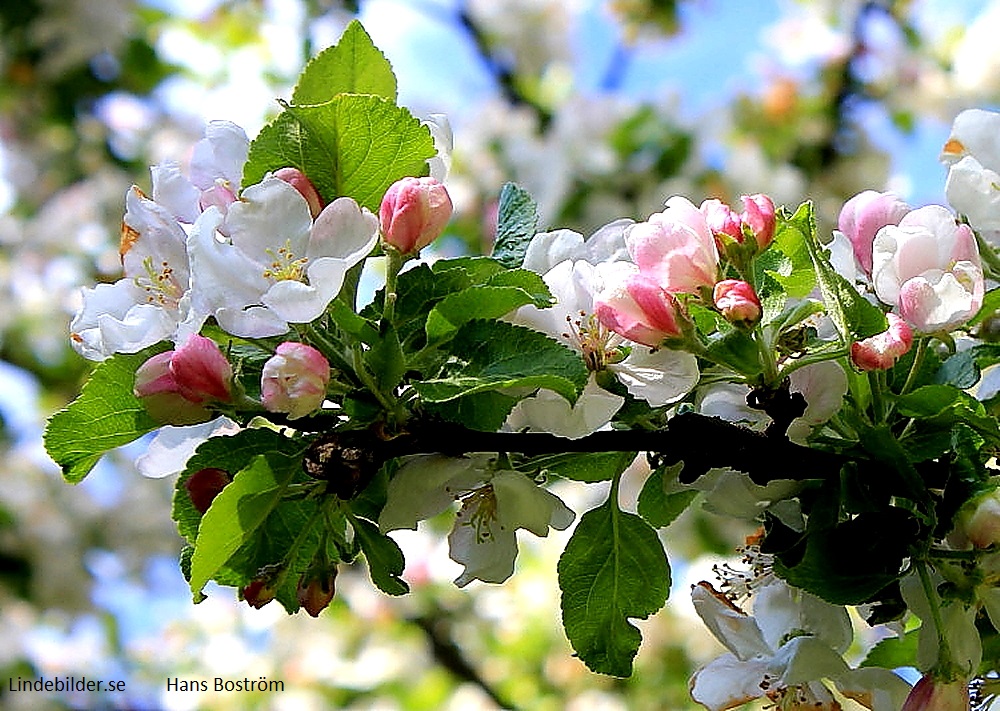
413 213
294 380
659 377
863 216
214 174
972 154
676 247
177 386
737 301
635 306
494 504
783 653
152 302
880 352
278 266
929 268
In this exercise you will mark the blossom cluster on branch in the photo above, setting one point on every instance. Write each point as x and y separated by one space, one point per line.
837 389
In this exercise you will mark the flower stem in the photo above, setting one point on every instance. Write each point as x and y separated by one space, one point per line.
945 664
394 262
918 361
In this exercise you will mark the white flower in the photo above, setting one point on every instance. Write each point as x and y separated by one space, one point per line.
494 505
657 376
781 653
152 302
972 154
213 177
169 451
277 266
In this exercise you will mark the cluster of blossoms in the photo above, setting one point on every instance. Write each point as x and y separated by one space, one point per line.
733 313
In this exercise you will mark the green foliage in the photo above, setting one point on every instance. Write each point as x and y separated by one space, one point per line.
385 560
613 569
353 146
105 415
587 467
517 220
352 66
657 504
494 355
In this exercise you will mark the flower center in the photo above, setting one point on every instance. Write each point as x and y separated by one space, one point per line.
794 698
485 503
598 343
285 265
740 585
160 285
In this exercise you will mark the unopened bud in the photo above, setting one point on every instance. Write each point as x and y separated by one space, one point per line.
294 380
758 217
176 386
879 352
298 180
316 589
413 213
204 485
258 592
931 694
737 301
979 519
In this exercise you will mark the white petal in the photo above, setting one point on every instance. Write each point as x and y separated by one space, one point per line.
548 411
174 191
726 682
269 216
877 689
487 552
734 628
806 659
170 449
547 249
426 485
732 493
523 504
110 322
659 377
973 191
220 154
781 609
343 230
161 240
297 302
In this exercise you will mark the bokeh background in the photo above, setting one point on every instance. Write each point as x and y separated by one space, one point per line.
600 108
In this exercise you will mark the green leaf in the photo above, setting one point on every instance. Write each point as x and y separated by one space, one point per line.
613 569
894 652
656 505
353 145
588 467
853 315
963 369
483 411
385 360
496 355
235 514
476 302
793 270
385 560
517 220
737 350
352 66
105 415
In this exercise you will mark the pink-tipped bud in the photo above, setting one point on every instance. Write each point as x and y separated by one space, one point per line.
880 352
979 519
737 301
722 220
176 386
298 180
414 212
638 308
758 217
863 216
204 485
294 380
930 694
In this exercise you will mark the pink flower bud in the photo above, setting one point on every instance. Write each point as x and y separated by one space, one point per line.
979 519
758 216
676 248
879 352
414 212
316 589
176 386
294 380
737 301
298 180
722 219
258 592
930 694
863 216
638 308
